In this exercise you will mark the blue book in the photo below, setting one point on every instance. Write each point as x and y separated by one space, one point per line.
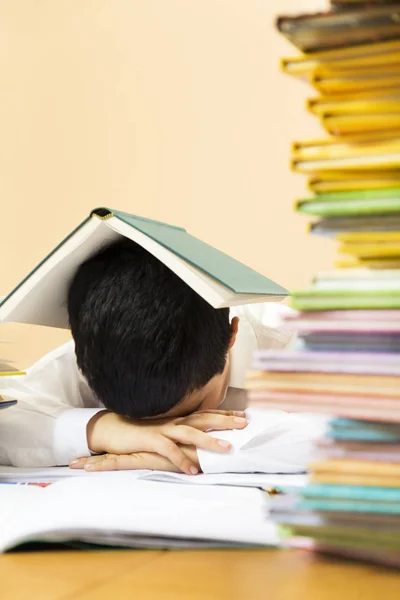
347 429
364 436
351 492
349 506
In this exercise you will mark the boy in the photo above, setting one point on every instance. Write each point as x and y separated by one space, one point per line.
147 349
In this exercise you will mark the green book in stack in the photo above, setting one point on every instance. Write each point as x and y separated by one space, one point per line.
353 203
321 299
41 298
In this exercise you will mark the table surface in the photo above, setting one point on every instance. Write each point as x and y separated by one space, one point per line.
191 575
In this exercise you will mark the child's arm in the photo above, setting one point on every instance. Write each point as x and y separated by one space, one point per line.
48 425
135 461
56 409
115 435
272 442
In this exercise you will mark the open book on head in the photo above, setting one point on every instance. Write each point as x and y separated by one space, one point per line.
41 298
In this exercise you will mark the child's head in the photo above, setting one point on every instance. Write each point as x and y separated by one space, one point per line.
147 343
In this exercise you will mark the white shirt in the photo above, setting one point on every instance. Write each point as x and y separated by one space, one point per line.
55 403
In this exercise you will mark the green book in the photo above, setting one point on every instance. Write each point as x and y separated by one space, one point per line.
354 538
319 299
355 203
222 281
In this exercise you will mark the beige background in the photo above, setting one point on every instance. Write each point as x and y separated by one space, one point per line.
171 109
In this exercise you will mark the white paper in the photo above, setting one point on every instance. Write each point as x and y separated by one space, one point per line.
273 442
88 507
258 480
52 474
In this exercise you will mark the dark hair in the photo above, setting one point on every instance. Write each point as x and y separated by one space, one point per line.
143 338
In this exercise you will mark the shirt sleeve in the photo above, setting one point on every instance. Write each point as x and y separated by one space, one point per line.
261 327
48 425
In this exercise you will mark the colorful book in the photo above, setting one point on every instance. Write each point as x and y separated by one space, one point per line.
348 104
221 280
325 30
327 362
372 263
353 450
353 203
344 82
358 468
381 54
352 537
345 4
350 406
349 124
379 155
328 383
343 277
383 249
331 226
338 181
356 479
317 299
351 492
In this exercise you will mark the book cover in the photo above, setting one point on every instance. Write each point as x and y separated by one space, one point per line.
41 296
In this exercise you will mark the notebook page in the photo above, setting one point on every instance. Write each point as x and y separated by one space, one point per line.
258 480
91 506
15 500
52 474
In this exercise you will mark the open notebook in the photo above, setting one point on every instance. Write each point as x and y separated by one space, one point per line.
134 513
276 481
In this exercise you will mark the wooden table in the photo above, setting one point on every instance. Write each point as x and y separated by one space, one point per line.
191 575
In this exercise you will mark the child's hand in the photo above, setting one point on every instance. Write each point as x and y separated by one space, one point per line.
112 434
138 460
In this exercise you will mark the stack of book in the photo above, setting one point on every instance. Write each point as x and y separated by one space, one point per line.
7 370
347 363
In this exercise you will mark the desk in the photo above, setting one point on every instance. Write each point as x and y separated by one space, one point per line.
191 575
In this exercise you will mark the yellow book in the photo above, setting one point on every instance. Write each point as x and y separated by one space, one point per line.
11 373
383 249
338 181
7 370
357 467
374 263
276 378
358 108
354 479
334 147
383 154
305 65
369 236
346 105
345 125
325 387
353 84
